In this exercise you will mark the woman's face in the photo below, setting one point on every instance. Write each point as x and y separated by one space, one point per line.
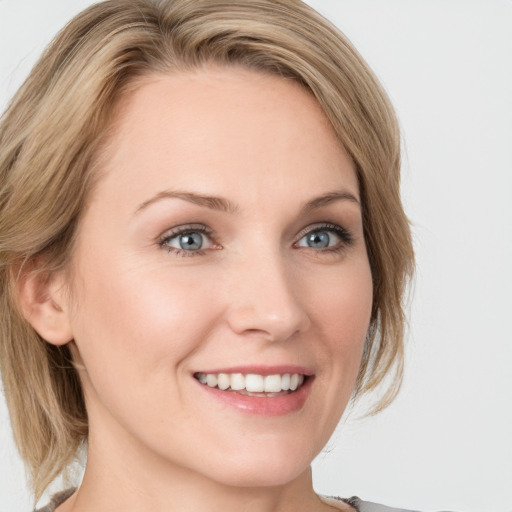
223 245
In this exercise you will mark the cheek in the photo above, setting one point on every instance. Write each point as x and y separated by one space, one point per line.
138 323
342 301
341 311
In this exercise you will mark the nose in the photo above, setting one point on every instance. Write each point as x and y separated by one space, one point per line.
265 299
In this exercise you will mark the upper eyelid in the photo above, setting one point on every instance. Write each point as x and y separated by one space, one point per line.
322 225
185 228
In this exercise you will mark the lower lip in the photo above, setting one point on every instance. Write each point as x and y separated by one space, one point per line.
263 405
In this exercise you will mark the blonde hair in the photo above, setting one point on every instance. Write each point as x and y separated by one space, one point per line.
57 122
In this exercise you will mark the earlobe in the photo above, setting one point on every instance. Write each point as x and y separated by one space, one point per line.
44 305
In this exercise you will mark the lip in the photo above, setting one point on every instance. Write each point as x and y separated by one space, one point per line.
262 370
280 405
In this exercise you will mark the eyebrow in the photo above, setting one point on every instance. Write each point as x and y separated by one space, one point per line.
211 202
224 205
329 198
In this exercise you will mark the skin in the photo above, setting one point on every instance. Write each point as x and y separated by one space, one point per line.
144 318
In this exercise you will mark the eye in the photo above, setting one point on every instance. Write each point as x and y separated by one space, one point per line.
330 237
187 239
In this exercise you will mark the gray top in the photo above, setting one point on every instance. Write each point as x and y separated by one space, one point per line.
366 506
358 504
57 500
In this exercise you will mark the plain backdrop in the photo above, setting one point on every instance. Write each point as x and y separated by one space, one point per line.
445 444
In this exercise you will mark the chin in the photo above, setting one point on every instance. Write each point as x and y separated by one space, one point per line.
266 468
267 475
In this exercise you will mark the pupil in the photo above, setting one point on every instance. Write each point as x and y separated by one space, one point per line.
191 241
320 239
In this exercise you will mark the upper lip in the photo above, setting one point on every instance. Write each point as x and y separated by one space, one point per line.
261 370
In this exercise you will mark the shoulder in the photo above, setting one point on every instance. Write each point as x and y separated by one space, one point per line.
57 500
366 506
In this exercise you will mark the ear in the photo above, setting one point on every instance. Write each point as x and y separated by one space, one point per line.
44 304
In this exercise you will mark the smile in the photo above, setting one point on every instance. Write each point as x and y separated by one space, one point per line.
252 384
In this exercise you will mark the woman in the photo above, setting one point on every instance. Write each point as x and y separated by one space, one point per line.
203 254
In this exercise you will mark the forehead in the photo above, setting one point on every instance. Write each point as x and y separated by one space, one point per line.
214 128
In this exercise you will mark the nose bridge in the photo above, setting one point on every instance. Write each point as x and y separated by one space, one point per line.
264 299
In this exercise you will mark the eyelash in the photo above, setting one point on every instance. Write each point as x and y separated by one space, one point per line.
344 235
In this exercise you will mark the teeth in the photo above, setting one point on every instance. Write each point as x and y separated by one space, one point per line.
237 381
272 383
211 380
294 382
252 383
223 381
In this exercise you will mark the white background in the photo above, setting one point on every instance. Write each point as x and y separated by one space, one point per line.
447 64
